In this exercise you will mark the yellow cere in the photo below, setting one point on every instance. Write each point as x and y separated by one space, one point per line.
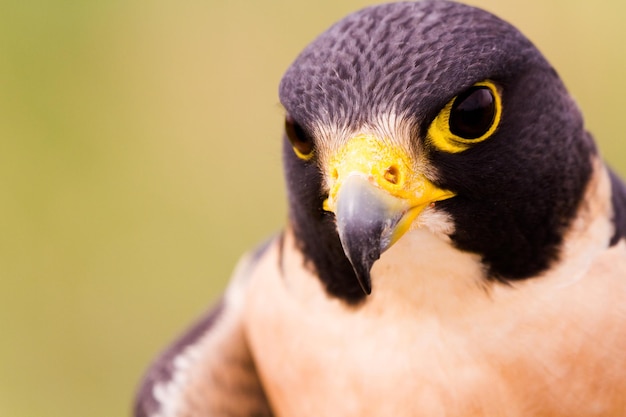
439 132
388 167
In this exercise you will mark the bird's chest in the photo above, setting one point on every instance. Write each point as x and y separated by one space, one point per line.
345 367
417 353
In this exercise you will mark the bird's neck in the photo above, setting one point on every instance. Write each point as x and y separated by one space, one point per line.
591 231
423 270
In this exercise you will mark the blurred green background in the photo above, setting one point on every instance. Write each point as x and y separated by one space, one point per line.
139 157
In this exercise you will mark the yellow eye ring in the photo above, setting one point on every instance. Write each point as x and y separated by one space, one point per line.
300 139
467 119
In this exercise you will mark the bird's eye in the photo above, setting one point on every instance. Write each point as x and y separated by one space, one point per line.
300 139
472 113
467 119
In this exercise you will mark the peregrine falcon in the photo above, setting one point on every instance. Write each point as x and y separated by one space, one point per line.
455 243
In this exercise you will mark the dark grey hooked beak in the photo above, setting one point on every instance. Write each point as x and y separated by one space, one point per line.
367 218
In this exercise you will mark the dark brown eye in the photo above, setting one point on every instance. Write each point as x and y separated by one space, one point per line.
473 113
300 139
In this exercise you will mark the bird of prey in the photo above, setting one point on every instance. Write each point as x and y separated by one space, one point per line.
454 247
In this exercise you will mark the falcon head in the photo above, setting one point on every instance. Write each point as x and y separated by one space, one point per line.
429 115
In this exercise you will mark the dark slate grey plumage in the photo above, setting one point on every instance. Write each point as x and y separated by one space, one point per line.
618 200
516 197
411 57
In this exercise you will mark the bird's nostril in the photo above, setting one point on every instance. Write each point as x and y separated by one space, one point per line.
392 175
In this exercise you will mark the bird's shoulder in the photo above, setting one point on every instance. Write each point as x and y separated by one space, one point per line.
618 200
208 370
